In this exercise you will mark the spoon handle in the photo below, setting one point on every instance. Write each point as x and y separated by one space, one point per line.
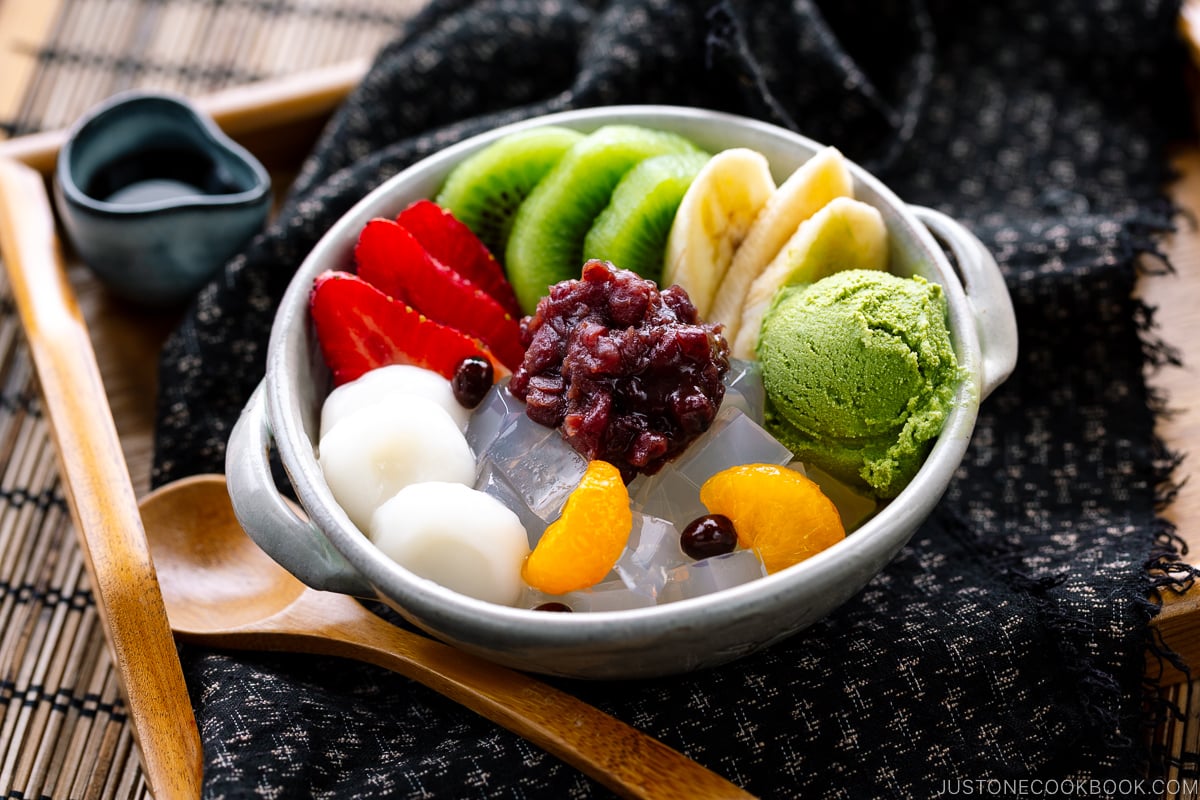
622 758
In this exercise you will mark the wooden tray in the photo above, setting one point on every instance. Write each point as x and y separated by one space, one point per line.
93 755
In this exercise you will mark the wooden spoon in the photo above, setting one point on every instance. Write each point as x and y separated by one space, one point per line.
221 590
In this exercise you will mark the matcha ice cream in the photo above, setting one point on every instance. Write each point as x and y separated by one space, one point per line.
859 374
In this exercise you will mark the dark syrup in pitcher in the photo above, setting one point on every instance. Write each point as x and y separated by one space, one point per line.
154 175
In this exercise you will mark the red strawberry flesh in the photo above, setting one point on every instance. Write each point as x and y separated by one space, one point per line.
390 258
454 244
360 328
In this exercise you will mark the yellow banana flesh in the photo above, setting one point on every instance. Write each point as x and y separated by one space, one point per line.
817 181
845 234
712 221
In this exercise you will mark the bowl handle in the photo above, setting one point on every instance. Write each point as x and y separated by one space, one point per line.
995 320
292 541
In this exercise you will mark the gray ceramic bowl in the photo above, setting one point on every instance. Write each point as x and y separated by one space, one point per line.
155 198
328 552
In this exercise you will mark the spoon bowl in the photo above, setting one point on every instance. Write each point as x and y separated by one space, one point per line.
221 590
217 582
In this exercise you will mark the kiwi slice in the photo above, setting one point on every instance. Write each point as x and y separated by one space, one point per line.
632 230
484 190
546 242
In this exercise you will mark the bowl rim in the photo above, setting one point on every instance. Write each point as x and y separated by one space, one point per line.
435 607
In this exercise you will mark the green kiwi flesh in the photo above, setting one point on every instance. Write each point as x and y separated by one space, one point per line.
632 230
546 242
485 190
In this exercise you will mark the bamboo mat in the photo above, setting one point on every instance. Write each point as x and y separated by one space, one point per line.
63 731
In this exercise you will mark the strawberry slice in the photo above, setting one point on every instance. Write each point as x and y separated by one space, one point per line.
360 328
455 245
391 259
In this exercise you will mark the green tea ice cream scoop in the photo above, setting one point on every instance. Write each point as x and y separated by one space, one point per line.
860 374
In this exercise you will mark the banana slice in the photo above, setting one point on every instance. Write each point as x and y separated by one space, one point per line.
816 182
712 221
845 234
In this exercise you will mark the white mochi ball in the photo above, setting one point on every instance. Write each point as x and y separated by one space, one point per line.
385 383
375 452
452 534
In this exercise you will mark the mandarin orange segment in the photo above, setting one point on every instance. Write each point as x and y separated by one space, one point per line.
775 510
580 547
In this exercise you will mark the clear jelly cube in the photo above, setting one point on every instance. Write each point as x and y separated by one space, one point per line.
735 399
744 388
650 554
611 595
667 495
733 439
539 464
712 575
497 411
492 482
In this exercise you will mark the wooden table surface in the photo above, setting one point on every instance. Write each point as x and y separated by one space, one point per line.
1176 300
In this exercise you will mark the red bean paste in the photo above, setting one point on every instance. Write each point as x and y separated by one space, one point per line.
625 371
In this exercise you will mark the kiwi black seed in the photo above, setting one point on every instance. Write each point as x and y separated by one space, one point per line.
484 190
546 242
632 230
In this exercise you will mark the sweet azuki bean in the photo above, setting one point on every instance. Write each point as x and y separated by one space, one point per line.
626 371
552 605
707 536
472 378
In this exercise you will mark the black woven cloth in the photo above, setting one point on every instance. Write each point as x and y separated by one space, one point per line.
1006 641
